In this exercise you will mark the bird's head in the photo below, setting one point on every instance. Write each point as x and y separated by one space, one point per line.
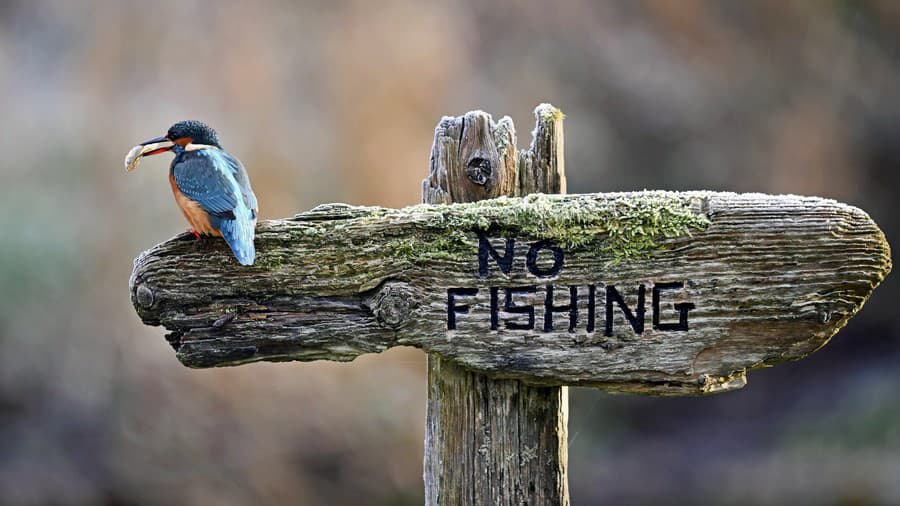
179 135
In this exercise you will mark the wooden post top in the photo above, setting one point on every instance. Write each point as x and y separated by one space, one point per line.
669 293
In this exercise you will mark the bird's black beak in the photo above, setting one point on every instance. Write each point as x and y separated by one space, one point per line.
152 147
156 140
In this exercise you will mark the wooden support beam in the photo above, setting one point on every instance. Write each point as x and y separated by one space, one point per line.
492 440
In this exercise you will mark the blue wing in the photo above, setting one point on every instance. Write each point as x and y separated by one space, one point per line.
219 183
240 174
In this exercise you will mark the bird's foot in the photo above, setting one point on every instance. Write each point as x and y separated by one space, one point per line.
195 233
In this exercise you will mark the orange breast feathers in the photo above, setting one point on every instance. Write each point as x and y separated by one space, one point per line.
195 215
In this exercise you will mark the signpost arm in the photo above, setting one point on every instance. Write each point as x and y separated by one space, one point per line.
490 440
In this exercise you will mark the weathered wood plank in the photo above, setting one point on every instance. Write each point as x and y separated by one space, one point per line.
771 278
491 440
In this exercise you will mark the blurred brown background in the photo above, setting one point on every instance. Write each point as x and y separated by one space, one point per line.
337 101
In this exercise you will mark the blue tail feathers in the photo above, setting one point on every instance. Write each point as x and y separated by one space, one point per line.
238 233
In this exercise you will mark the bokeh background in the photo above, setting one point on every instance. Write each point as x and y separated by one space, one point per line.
336 101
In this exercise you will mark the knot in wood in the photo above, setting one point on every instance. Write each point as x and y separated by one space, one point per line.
143 295
478 170
392 304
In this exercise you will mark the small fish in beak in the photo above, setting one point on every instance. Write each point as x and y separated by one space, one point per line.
151 147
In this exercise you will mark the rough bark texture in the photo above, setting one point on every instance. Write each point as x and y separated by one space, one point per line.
772 278
493 440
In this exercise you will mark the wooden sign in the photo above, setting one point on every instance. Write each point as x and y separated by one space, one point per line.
514 298
650 292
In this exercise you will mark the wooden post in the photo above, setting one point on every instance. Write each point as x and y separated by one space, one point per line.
492 440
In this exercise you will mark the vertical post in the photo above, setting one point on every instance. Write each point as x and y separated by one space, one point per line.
488 440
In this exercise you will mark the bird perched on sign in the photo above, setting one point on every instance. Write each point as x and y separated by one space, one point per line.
211 186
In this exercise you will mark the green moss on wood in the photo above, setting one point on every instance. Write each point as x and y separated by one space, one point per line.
450 245
626 228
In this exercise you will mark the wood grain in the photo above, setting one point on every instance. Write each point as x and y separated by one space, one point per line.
491 440
772 279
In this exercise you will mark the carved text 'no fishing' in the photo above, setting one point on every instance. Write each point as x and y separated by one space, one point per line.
583 307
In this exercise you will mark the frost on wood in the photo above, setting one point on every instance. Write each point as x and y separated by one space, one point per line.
757 280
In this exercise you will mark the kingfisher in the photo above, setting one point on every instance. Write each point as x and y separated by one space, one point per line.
210 185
